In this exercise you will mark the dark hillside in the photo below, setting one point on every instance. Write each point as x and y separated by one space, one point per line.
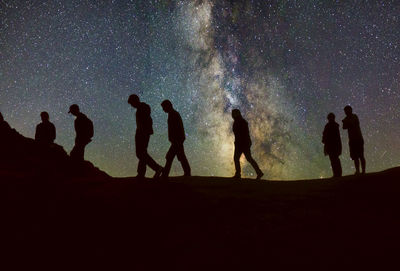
202 223
21 155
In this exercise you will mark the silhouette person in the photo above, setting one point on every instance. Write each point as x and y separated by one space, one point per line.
333 144
242 144
144 129
45 131
176 135
84 133
356 140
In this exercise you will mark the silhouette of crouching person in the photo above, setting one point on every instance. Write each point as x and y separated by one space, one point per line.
242 144
176 135
84 133
333 144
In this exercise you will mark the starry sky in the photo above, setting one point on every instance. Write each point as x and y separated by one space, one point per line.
284 64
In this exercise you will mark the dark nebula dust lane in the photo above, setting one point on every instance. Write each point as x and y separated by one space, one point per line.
284 64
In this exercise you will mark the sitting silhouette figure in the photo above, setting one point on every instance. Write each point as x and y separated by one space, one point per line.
5 132
84 133
242 144
4 126
144 129
45 131
333 144
176 135
356 140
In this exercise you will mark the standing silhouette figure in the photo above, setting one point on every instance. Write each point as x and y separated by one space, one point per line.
242 144
333 144
84 133
144 129
176 135
45 131
356 140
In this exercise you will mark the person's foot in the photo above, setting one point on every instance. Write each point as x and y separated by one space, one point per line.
259 175
187 175
236 176
357 173
140 177
158 173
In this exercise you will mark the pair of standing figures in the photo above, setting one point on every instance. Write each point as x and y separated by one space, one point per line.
176 135
144 129
333 143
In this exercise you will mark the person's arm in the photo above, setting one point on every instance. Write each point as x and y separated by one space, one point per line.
37 132
324 136
345 124
181 128
53 135
339 139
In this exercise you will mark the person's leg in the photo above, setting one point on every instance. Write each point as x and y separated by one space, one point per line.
236 159
362 158
140 143
169 159
339 165
354 154
254 164
149 161
180 152
336 166
357 165
332 159
78 151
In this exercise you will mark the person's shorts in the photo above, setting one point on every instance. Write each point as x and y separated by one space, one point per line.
356 150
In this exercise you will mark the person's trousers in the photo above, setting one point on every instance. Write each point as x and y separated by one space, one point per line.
142 142
336 165
247 153
78 152
178 150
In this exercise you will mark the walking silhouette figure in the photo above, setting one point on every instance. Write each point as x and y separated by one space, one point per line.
176 135
45 131
84 133
242 144
356 140
144 129
333 144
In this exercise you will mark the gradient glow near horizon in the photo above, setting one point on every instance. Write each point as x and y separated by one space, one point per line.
284 64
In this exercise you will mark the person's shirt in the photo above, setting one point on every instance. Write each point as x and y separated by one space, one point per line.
241 132
81 127
176 131
352 124
45 132
331 138
144 123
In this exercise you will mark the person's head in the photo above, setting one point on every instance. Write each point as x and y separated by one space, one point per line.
331 117
348 110
44 116
134 100
74 109
1 117
236 114
167 106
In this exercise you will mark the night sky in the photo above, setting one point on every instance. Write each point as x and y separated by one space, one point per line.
284 64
